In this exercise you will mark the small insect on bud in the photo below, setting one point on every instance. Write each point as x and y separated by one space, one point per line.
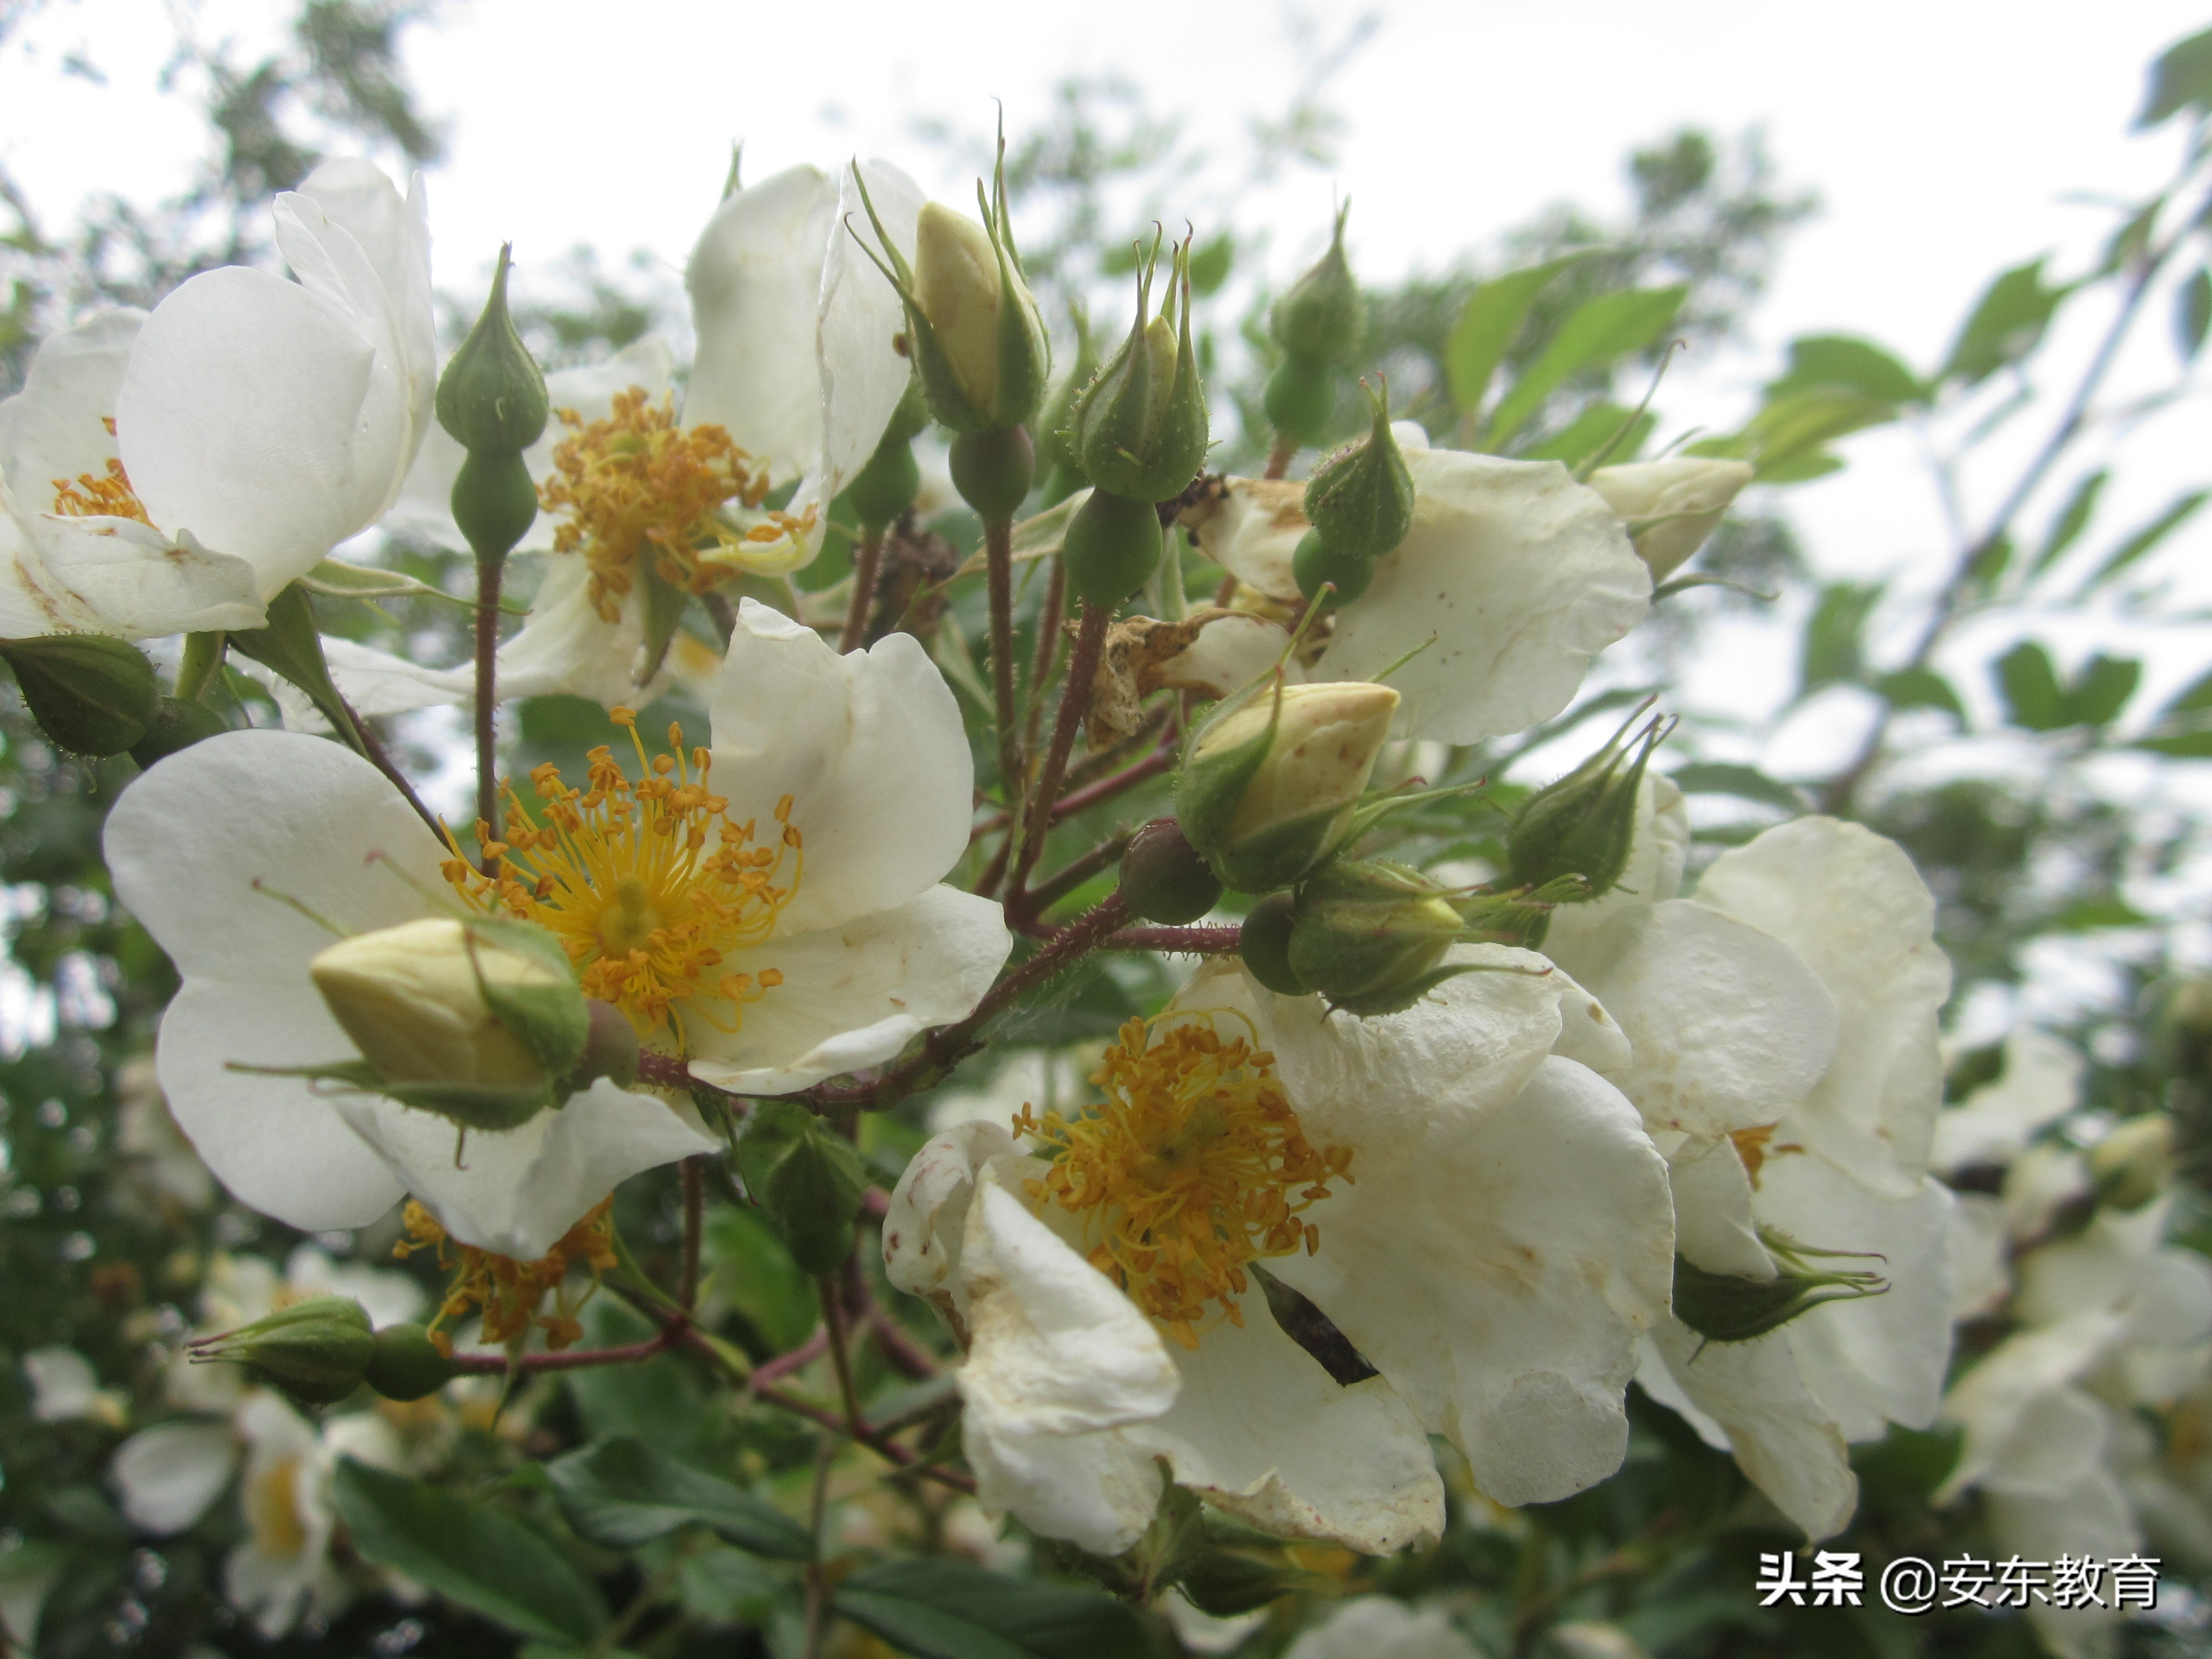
1139 428
1669 507
1271 786
1163 878
1361 502
1582 824
317 1350
2134 1163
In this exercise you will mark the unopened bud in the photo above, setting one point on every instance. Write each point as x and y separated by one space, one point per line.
317 1350
1316 565
1670 507
1112 547
1722 1308
2134 1163
1139 428
993 468
1324 314
439 1004
1264 942
176 725
1299 399
885 487
92 695
1162 877
408 1364
492 396
1271 787
1369 935
1582 825
1361 499
980 345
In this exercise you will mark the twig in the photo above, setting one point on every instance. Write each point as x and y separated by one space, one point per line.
999 566
867 560
772 1370
1078 870
1074 703
373 750
840 1359
1217 941
1279 457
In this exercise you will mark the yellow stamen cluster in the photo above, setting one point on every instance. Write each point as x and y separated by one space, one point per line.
637 485
647 886
1193 1166
102 496
509 1291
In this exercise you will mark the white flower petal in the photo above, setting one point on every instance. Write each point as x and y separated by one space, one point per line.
1252 529
56 426
169 1474
1266 1434
1589 1034
1783 1437
756 280
565 646
1499 1278
1982 1279
1728 1026
394 234
1058 1359
1657 849
854 995
1656 1381
1714 1226
1468 1047
857 317
2090 1519
1378 1627
2040 1083
63 1386
1994 1397
138 583
869 746
928 1216
1229 652
1850 904
516 1192
1519 575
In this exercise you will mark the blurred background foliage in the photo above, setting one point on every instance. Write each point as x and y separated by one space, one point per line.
2054 816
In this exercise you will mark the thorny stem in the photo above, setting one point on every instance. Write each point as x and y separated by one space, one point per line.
694 1211
1078 870
1160 760
1185 941
373 750
1279 457
572 1359
841 1359
867 560
1836 798
999 568
1048 649
1074 703
488 575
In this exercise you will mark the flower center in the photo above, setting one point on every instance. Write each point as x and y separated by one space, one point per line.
272 1509
107 495
648 885
1193 1166
637 486
509 1291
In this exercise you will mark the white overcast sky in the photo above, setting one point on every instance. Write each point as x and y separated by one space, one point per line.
1946 139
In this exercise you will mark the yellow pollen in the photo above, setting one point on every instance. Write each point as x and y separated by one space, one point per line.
102 496
1194 1166
272 1509
1751 1145
509 1291
636 485
649 886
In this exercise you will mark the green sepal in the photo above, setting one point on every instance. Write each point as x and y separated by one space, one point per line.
1585 824
176 725
290 645
465 1105
333 580
1366 927
316 1351
1322 315
552 1020
1397 1000
1282 853
663 615
1722 1308
492 396
806 1178
1207 795
91 694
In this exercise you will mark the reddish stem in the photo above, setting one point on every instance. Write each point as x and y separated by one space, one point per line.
1075 702
867 560
1218 941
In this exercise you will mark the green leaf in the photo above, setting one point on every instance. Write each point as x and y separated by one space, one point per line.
2181 79
2030 686
2072 518
1786 440
623 1492
2086 916
806 1178
1833 649
2178 745
2148 537
1483 331
662 1403
753 1273
2005 324
1210 262
2192 313
1595 334
1860 366
1919 687
2101 690
1591 431
943 1608
333 580
727 1587
486 1560
1744 783
2198 695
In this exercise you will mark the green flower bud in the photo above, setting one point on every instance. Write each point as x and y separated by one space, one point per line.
493 501
438 1004
1162 877
1264 942
1361 499
407 1364
1368 932
1722 1308
492 396
2134 1163
1112 547
1324 314
1582 824
1316 565
317 1350
176 725
1300 397
992 469
1139 428
92 695
1270 786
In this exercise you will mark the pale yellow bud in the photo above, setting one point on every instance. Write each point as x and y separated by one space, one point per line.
2134 1163
410 998
1670 507
956 281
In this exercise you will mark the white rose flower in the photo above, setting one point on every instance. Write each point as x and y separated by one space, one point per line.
1486 1227
1512 577
1380 1627
173 472
65 1388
